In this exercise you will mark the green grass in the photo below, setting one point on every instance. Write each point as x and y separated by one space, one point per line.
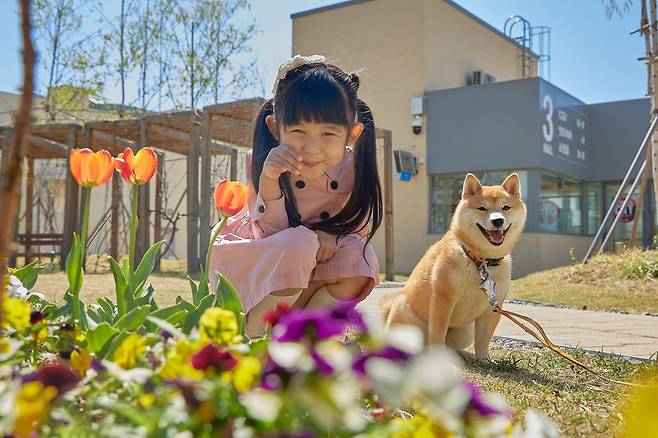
624 282
579 403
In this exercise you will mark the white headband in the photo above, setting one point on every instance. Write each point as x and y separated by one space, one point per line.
293 63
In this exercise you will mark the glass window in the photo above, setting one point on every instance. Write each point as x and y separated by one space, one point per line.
561 204
593 207
446 192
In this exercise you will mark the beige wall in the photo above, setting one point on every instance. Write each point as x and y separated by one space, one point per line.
539 251
403 49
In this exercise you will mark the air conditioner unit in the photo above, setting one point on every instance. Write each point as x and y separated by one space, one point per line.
405 162
480 77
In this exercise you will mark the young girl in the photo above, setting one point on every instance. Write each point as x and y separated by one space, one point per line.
315 199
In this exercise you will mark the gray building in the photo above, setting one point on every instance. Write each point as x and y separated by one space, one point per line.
571 156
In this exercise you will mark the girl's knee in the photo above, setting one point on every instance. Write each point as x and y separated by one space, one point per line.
348 288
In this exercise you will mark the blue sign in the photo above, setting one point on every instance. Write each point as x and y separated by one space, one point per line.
404 176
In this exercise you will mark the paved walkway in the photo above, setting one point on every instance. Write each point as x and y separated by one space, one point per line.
625 334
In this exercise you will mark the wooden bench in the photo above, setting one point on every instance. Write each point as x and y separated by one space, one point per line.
32 244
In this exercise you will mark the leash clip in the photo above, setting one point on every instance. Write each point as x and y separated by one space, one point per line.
488 285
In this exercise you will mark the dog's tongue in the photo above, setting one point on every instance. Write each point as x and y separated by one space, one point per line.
496 236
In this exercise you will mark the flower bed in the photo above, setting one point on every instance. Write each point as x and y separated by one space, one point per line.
126 367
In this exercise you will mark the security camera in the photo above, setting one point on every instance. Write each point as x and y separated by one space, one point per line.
417 124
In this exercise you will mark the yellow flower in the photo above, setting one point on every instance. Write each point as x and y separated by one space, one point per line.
218 326
129 351
245 373
16 313
639 412
146 400
178 363
40 335
32 406
81 361
418 427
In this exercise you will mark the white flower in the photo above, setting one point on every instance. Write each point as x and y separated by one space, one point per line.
291 355
538 425
261 405
16 289
133 375
335 353
407 338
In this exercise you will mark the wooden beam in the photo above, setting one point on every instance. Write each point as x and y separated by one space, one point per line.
71 194
116 140
116 216
193 197
44 142
29 205
177 134
206 184
4 162
234 165
143 225
388 206
159 194
242 103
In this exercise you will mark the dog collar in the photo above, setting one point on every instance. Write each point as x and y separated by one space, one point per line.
478 260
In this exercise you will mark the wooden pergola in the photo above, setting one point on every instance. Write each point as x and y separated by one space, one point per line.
198 135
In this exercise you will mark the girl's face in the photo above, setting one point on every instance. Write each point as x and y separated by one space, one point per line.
321 145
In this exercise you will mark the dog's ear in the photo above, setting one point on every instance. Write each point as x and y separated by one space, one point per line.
472 186
512 185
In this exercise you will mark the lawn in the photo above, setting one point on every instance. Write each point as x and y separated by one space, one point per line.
627 282
579 403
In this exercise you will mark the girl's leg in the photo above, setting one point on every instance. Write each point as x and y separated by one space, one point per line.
334 291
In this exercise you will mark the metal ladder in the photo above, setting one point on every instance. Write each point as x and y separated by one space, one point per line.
640 150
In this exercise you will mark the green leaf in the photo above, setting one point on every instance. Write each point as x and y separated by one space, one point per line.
186 304
195 290
145 268
120 286
133 319
99 336
229 299
28 274
147 298
109 309
111 346
192 319
74 266
166 314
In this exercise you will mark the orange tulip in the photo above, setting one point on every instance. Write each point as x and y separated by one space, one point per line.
230 197
89 168
137 168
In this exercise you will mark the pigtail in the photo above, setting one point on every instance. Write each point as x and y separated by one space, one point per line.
364 205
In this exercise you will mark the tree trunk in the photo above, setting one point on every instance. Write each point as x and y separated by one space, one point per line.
20 133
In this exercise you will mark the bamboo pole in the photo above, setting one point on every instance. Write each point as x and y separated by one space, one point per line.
646 32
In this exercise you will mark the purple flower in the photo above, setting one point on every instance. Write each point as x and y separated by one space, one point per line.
97 365
388 352
479 404
55 374
322 365
319 324
273 376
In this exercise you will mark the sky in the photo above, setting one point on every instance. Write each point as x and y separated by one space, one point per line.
592 57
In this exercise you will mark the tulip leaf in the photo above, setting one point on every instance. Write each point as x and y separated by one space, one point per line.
192 319
167 314
120 286
186 304
133 319
229 299
145 268
195 290
28 274
109 309
74 267
98 337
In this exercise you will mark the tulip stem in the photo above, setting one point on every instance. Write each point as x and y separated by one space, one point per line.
221 225
133 229
85 220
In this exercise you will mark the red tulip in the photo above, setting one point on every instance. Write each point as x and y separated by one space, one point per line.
230 197
137 168
89 168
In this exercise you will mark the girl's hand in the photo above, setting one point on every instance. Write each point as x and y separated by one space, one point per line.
280 159
327 246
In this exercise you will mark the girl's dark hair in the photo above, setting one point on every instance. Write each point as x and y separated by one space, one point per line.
323 93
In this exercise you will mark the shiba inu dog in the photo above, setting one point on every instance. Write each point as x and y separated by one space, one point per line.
444 295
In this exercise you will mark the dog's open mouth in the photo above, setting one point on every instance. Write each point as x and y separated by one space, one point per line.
495 237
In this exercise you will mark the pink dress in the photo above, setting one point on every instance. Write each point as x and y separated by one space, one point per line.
260 253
